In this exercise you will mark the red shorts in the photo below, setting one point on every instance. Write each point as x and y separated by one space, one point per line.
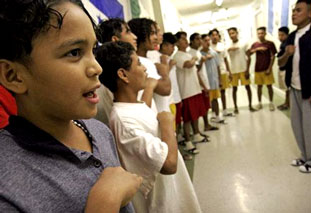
178 113
206 101
193 108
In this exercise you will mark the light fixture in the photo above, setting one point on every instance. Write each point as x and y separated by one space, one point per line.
219 2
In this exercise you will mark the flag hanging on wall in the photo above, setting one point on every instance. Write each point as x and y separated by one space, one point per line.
111 8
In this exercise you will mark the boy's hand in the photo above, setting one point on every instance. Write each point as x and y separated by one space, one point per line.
172 63
247 74
209 56
261 48
163 59
165 118
151 83
163 69
114 189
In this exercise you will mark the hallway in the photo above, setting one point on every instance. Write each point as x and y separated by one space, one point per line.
246 167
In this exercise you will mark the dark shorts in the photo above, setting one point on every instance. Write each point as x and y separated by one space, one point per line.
193 108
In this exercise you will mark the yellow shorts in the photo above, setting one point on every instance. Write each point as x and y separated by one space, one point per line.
224 80
261 78
173 111
239 76
213 94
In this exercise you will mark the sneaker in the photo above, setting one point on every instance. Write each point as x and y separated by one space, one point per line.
236 111
187 157
259 106
298 162
306 168
191 148
271 107
228 114
197 138
251 109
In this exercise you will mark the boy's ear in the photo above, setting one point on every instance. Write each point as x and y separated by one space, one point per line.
114 38
11 76
122 75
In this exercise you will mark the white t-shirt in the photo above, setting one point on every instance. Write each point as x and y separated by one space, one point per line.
142 152
220 49
162 102
151 73
202 72
238 58
295 83
187 78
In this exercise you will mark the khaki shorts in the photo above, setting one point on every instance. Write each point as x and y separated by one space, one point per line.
213 94
261 78
224 80
240 76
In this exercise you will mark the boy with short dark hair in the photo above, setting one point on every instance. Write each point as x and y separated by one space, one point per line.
283 35
113 29
51 160
265 54
146 141
298 77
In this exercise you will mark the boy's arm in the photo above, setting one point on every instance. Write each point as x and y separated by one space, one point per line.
190 63
271 63
113 190
151 84
164 83
166 124
289 51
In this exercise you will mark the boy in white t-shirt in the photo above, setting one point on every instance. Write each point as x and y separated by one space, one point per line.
225 73
190 90
113 29
147 38
145 140
195 44
240 62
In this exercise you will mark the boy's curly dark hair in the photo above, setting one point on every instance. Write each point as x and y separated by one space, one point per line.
112 56
21 21
109 28
141 27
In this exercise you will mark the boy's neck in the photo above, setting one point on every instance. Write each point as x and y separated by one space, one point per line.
193 47
182 50
205 49
302 25
125 96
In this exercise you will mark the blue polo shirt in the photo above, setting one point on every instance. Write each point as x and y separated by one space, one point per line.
40 174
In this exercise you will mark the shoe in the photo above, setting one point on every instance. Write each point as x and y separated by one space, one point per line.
271 107
219 120
198 138
211 128
228 114
191 148
187 157
283 107
297 162
259 106
306 168
251 109
236 111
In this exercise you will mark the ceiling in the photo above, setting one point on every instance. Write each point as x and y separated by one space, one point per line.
197 12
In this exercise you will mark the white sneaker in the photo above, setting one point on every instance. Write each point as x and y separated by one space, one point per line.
306 168
197 138
259 106
271 107
191 148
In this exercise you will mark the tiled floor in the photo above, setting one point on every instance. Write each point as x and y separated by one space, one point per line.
245 169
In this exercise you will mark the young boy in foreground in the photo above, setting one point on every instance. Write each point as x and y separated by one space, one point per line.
50 160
